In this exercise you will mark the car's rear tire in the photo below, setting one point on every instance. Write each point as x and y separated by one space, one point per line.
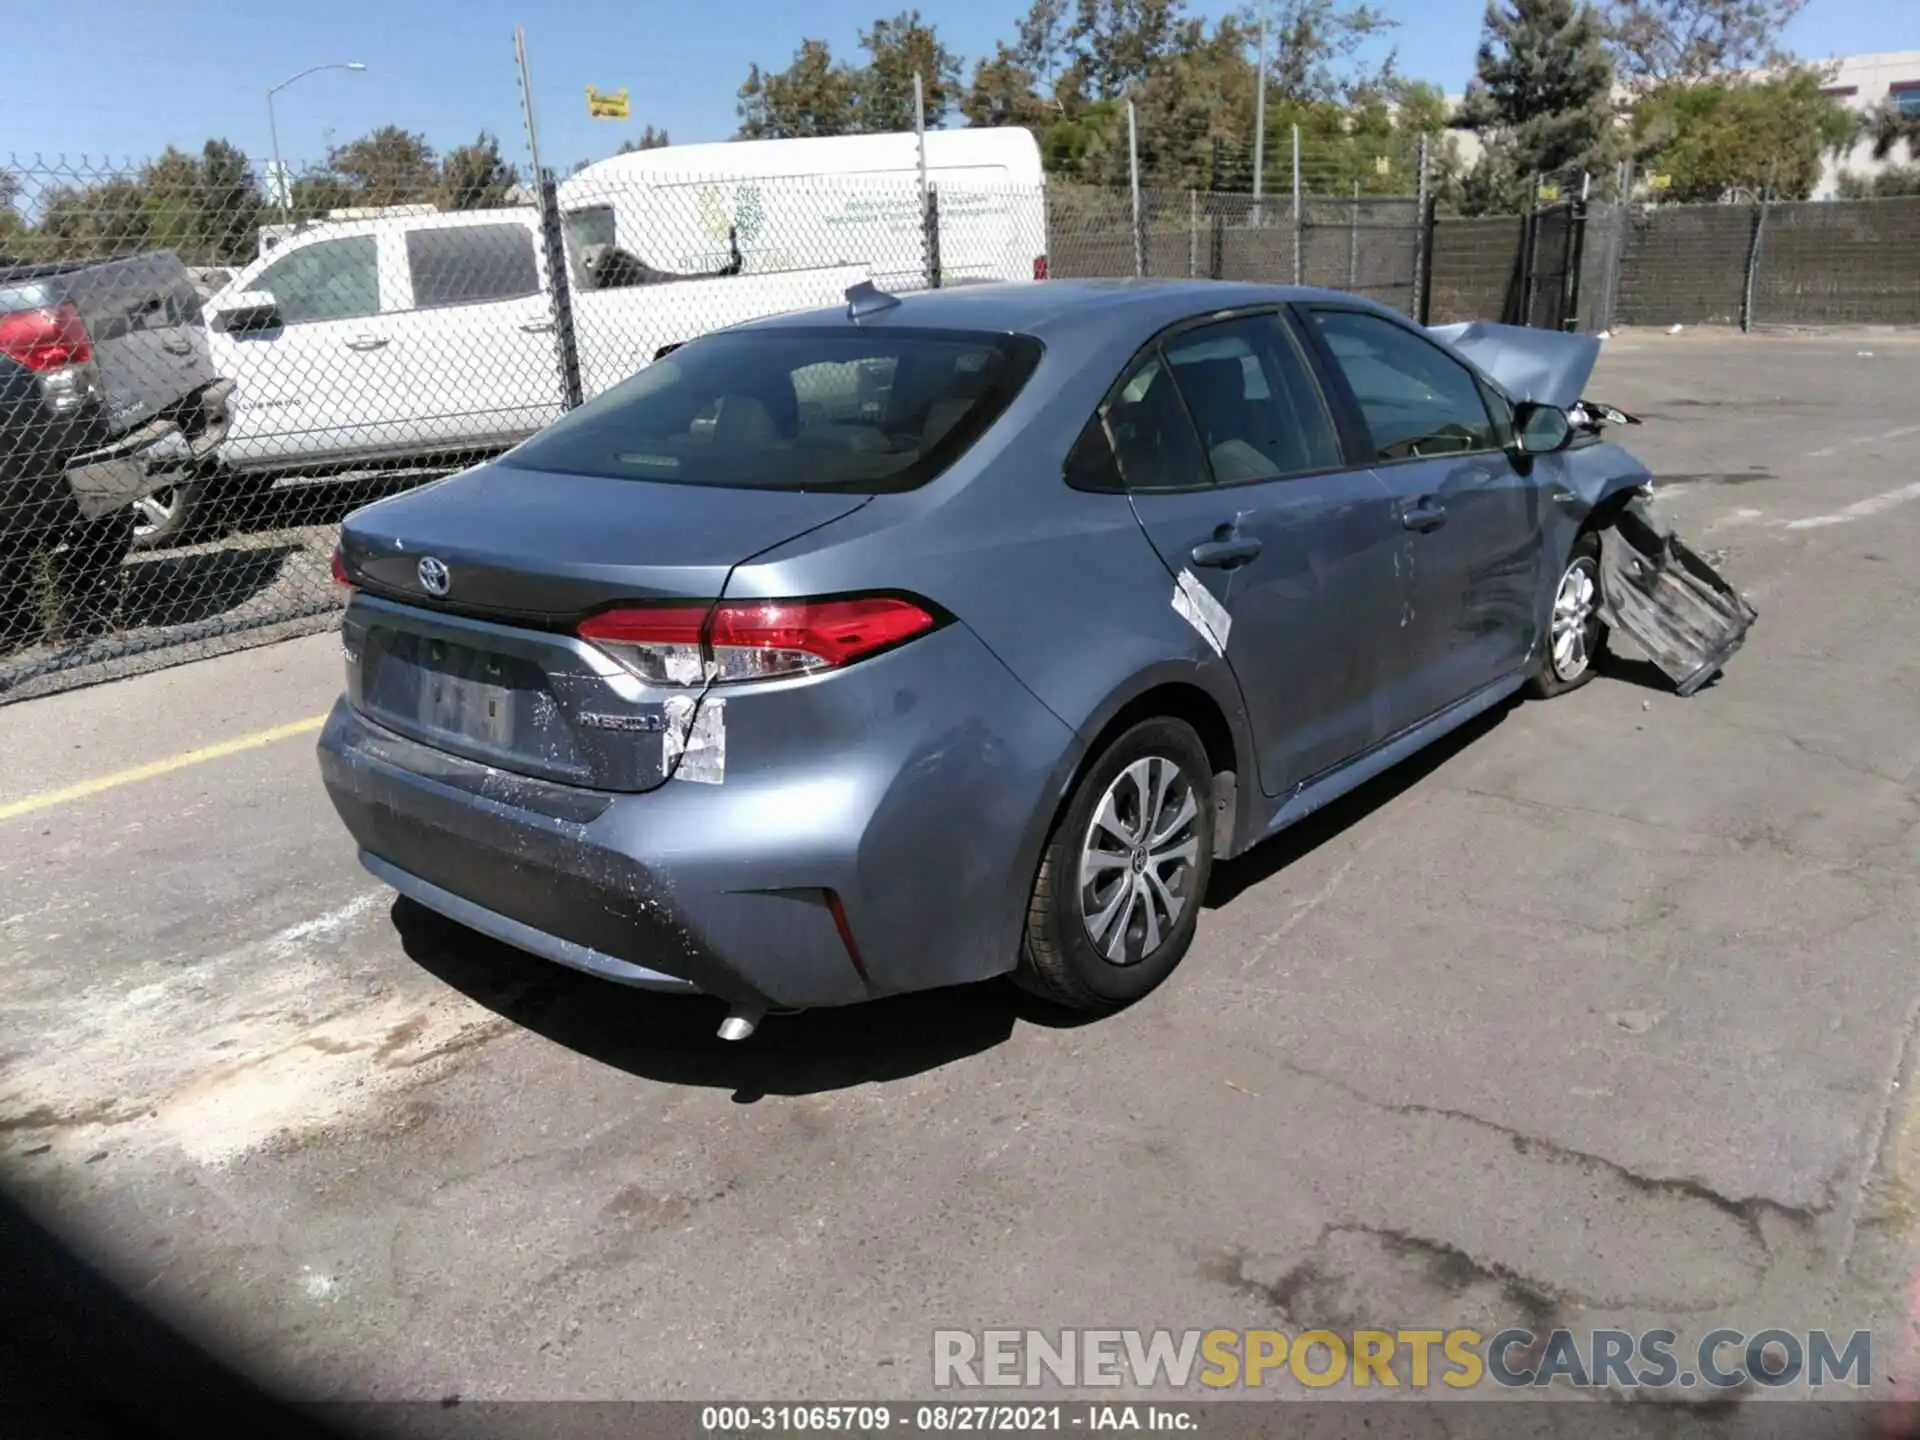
1576 636
1118 892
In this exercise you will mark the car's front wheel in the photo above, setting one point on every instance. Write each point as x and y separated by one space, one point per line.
1576 635
1118 893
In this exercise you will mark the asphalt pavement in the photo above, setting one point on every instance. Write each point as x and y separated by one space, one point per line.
1600 1013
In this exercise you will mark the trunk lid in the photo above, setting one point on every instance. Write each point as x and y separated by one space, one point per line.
484 662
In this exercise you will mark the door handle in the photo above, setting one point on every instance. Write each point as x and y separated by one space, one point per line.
538 327
177 347
1424 517
1226 554
367 342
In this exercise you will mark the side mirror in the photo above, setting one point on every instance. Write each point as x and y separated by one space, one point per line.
1541 429
247 313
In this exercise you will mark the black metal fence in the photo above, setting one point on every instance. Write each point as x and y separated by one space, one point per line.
367 340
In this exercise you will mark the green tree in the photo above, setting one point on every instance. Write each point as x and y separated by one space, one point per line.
1660 42
12 227
314 195
1314 49
391 166
814 95
1118 44
95 222
1542 94
476 177
650 139
896 49
231 204
1716 138
1889 127
1893 182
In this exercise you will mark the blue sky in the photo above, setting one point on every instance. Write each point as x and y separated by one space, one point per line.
177 71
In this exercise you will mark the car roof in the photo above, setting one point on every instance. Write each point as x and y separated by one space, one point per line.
1051 309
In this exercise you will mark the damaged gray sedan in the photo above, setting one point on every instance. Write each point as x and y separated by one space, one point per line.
926 640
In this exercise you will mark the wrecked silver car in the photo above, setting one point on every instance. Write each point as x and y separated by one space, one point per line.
941 637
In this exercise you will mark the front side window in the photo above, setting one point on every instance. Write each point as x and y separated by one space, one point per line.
471 265
845 410
327 280
1416 399
1253 400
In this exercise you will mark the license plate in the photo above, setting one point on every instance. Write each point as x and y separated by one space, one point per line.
455 702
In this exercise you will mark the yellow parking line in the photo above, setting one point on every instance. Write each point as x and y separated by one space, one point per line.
14 808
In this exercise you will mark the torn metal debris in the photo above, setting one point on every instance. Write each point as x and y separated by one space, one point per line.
1660 593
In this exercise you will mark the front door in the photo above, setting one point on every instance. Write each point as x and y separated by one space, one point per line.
316 386
1471 524
1237 474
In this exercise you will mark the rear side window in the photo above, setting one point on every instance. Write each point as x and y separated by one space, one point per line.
1152 440
1253 400
1417 399
471 265
327 280
842 409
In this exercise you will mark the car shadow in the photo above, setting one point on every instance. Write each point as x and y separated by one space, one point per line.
671 1038
1643 673
184 589
1231 877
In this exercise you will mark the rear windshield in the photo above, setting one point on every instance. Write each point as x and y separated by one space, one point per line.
863 412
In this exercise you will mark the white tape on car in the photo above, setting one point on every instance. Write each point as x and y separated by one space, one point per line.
697 737
1195 604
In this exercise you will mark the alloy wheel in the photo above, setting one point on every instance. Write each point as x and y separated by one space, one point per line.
1576 619
1137 860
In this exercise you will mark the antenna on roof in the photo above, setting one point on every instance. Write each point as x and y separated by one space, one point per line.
866 299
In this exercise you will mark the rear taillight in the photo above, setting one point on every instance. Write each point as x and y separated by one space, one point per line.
340 576
1039 267
753 640
50 338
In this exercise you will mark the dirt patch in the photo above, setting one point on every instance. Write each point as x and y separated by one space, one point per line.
218 1058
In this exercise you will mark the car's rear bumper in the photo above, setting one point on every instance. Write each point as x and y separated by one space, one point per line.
926 831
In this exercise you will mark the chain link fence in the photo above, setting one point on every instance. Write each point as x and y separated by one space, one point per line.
200 376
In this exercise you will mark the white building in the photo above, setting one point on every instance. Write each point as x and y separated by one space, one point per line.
1862 81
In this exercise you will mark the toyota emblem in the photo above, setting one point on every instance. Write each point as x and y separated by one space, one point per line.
434 578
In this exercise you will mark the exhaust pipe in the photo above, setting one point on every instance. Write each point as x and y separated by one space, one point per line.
742 1021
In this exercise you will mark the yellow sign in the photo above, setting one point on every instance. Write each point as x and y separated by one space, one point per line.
1549 192
1660 182
607 104
1382 165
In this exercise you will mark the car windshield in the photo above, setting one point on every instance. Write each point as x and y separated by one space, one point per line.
841 409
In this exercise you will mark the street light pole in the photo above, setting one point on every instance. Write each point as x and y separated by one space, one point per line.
281 179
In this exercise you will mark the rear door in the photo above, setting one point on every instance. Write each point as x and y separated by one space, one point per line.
1239 477
474 359
319 386
1471 521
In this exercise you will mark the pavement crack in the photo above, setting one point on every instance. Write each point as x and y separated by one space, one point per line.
1746 1209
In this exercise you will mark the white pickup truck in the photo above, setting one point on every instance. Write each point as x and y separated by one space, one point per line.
412 338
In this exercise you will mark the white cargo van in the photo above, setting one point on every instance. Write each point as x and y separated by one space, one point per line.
797 204
402 337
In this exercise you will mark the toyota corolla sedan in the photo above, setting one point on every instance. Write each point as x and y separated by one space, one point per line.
920 641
